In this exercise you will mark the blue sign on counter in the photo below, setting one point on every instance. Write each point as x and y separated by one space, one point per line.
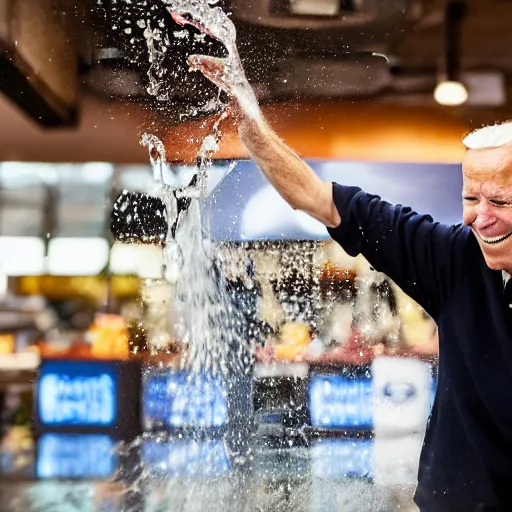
77 393
75 456
337 402
180 399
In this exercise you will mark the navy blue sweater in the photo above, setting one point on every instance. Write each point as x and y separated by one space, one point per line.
466 461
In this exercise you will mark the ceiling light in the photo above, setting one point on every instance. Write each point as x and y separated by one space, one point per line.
315 7
451 93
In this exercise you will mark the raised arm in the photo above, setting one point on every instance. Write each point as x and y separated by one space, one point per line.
424 258
301 188
284 169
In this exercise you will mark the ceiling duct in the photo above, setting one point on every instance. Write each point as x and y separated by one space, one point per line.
38 63
110 75
290 49
356 21
360 76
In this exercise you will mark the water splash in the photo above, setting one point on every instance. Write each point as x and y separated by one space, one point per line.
209 325
214 22
215 337
156 148
157 42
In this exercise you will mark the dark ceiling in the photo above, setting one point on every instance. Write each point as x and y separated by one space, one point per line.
285 56
289 55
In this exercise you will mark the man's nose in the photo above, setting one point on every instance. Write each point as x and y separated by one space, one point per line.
484 216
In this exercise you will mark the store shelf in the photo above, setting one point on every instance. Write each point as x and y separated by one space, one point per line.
22 361
16 369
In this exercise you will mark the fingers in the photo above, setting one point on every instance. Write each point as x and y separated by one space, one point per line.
243 101
233 110
206 62
212 68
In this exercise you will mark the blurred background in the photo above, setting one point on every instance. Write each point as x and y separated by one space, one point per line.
334 403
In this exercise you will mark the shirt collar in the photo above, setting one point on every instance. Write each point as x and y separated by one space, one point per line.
506 277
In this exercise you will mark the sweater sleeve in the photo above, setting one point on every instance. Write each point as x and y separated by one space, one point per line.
424 258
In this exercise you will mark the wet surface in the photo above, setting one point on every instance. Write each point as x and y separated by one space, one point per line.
186 475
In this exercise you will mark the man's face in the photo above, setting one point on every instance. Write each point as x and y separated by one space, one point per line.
487 202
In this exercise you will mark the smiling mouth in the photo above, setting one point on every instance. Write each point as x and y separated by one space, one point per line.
495 240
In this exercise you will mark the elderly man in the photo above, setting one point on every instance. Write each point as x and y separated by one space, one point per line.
459 274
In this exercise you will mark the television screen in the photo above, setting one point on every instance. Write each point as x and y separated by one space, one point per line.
413 184
180 399
338 402
75 456
77 393
342 458
185 458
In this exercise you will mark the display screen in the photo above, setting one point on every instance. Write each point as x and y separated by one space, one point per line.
75 456
340 402
248 218
72 393
342 458
186 458
184 399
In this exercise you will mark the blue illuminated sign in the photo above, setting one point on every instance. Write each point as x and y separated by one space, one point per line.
186 458
75 456
340 402
184 399
77 394
342 458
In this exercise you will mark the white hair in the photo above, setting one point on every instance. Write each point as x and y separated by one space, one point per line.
489 136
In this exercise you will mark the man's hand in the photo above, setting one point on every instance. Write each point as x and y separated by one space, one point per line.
285 170
228 75
215 69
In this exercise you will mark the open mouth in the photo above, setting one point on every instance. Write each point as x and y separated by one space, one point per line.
494 240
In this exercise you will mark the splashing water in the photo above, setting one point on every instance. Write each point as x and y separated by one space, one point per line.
214 22
212 332
157 43
157 155
209 324
212 327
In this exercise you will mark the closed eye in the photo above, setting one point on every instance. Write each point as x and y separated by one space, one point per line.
469 198
497 202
